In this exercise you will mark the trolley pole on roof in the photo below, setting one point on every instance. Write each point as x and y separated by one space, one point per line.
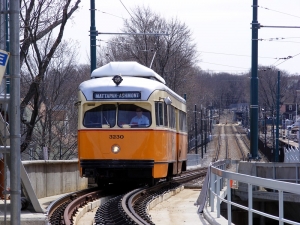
254 85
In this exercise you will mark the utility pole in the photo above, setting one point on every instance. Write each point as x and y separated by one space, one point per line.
196 141
254 85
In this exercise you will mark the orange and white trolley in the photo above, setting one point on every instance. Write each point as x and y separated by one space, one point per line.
131 126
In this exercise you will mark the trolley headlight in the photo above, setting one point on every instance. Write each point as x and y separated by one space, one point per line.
115 149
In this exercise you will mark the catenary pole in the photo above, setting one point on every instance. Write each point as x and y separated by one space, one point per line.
201 131
196 141
93 36
205 130
277 119
14 112
254 85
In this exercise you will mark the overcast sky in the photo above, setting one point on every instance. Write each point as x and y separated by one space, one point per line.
221 29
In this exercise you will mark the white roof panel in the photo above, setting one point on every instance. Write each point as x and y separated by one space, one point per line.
133 84
133 69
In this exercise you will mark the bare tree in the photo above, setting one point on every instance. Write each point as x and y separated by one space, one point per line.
55 128
172 55
267 87
38 47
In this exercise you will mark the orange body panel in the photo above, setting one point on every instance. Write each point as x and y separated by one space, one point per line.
135 144
181 150
157 145
160 170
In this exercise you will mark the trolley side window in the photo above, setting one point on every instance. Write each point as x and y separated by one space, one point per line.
134 116
99 116
161 114
165 115
172 118
182 121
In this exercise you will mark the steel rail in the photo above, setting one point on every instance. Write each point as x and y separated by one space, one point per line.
56 209
240 148
218 146
127 202
129 199
73 207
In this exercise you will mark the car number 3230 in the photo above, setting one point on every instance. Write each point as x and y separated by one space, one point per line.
116 136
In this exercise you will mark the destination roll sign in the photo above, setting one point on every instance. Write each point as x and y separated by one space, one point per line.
117 95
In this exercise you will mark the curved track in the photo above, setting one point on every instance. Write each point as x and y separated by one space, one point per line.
129 208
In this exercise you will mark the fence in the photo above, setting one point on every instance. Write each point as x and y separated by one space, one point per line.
291 155
220 178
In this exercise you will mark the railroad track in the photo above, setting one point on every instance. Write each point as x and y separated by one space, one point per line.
230 143
222 149
59 210
126 208
240 148
218 144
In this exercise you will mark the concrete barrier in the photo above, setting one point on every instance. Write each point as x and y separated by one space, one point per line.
288 172
54 177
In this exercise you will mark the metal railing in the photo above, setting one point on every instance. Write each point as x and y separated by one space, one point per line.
219 177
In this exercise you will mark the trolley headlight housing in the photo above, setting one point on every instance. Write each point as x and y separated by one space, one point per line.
115 149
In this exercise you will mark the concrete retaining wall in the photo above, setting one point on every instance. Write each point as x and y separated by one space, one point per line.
287 172
54 177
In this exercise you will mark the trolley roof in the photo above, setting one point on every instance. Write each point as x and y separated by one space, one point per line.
129 84
132 69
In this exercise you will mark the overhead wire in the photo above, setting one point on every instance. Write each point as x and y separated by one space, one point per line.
273 39
270 39
127 10
287 58
275 62
278 41
246 69
224 65
278 11
114 42
235 54
110 14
